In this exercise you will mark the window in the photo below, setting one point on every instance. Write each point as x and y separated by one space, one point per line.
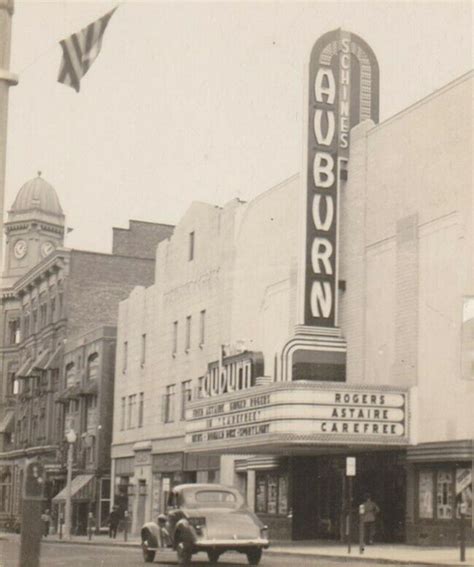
122 414
104 500
201 390
168 413
132 401
93 366
191 246
13 332
125 357
271 493
43 310
143 351
141 407
52 303
91 413
26 324
425 494
70 374
186 393
444 498
202 328
5 489
188 333
175 337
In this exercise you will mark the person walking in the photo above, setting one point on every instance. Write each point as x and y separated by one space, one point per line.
371 510
114 520
46 519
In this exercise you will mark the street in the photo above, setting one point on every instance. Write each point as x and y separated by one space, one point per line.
59 555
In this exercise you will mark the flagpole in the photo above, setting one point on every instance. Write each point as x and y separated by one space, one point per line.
7 80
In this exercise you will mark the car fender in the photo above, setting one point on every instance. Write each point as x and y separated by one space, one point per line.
150 532
184 532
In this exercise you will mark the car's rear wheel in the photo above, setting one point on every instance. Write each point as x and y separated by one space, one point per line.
148 555
254 556
184 554
213 557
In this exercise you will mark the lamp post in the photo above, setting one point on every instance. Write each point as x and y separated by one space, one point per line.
71 439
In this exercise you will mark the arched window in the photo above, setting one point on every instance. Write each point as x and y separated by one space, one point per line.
92 366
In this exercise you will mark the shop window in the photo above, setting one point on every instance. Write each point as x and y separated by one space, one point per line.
271 493
425 495
444 495
464 492
104 501
168 403
93 366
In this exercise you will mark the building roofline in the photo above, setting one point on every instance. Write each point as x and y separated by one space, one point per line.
437 92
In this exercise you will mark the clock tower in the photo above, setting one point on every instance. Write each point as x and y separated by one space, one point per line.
34 229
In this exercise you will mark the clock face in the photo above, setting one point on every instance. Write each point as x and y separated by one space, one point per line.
20 249
46 248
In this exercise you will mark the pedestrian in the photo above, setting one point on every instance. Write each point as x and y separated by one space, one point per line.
369 517
113 521
46 519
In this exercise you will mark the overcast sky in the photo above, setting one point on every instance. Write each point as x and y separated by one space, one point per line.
197 101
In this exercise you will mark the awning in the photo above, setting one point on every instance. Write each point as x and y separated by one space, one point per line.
24 369
54 359
90 389
78 486
7 421
41 360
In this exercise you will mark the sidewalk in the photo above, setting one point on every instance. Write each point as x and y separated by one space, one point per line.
383 553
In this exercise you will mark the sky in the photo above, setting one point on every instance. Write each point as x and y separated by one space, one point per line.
197 101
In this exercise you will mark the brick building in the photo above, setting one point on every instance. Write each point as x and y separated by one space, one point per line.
231 384
57 304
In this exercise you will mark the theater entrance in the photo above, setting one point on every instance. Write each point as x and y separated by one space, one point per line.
320 496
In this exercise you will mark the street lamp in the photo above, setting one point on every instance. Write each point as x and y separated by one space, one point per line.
71 438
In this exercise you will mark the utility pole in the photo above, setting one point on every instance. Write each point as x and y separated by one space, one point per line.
7 80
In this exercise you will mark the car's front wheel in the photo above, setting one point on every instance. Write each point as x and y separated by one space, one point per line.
184 554
213 557
254 556
148 555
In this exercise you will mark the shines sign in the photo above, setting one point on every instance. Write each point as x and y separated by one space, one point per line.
343 91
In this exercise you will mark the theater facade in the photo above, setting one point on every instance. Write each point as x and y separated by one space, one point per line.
330 317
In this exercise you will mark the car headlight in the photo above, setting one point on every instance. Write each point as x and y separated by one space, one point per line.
197 523
264 532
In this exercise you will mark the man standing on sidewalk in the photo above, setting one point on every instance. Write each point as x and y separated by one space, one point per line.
368 518
114 519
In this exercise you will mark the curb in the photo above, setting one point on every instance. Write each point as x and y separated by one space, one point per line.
279 552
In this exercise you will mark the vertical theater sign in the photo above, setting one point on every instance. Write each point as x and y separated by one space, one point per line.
343 91
310 404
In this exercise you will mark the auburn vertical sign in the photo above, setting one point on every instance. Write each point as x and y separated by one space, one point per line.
343 91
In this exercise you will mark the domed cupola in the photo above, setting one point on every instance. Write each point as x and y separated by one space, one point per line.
37 194
35 226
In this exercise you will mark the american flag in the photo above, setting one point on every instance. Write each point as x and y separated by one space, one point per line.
80 50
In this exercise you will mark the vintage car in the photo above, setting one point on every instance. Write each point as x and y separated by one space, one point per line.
205 517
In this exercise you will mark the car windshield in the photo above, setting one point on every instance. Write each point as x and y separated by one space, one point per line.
216 498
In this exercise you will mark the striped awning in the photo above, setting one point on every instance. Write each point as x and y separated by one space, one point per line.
24 369
7 421
41 360
78 484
